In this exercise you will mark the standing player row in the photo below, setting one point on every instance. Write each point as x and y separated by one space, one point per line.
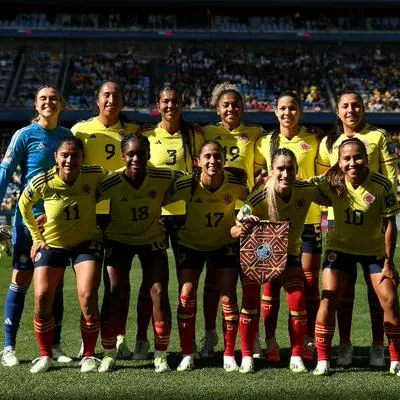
174 144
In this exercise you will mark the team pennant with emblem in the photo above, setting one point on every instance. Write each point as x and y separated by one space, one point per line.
263 250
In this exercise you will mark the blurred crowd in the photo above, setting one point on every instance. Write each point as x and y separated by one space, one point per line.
206 19
319 75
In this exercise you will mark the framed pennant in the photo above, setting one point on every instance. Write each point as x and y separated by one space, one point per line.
263 250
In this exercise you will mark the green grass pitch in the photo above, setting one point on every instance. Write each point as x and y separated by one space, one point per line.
137 380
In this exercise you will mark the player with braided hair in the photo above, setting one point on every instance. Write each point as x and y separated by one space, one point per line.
174 144
136 195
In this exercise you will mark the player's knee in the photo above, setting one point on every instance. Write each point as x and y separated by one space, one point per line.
22 278
157 291
43 301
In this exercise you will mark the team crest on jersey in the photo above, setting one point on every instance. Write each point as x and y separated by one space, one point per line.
244 138
304 147
390 200
300 203
369 199
86 189
332 257
23 258
228 199
9 156
38 256
152 194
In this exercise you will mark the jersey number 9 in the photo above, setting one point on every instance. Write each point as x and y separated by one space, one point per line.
110 150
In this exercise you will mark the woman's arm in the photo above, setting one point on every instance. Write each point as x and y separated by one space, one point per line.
389 271
28 198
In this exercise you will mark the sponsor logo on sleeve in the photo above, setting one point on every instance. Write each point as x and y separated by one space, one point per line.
390 200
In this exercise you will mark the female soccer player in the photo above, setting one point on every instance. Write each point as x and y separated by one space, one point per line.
32 148
304 144
70 235
173 144
102 136
363 201
381 158
238 140
210 196
136 195
282 198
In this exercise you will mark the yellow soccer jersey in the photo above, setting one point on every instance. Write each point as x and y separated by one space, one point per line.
359 216
209 215
169 151
239 145
305 146
103 145
70 209
135 213
381 152
294 211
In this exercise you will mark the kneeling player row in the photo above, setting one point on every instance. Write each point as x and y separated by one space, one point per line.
362 201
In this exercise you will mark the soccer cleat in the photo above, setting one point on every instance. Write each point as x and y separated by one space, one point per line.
273 355
257 350
230 364
8 357
395 368
377 356
141 350
247 365
345 355
186 364
41 364
89 364
59 355
123 352
296 365
210 340
108 362
160 361
322 368
309 350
